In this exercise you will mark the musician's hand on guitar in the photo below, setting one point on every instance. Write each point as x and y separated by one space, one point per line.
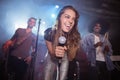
6 45
28 59
98 44
106 49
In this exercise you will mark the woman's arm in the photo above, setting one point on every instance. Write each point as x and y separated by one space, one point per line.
50 48
58 52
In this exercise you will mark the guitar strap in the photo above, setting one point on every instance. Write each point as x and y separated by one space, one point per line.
20 41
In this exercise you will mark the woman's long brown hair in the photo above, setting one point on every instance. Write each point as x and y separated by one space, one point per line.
73 37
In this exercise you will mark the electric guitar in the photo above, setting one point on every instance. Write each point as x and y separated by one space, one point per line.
7 47
10 45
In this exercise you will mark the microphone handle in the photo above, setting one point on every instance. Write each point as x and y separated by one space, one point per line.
60 45
59 60
59 57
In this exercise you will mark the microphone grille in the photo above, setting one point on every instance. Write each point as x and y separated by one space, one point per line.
62 40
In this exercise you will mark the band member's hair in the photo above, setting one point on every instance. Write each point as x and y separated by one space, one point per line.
31 18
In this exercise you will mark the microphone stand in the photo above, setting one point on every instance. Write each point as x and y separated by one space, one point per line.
34 54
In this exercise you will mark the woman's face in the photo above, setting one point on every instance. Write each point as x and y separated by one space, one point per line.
67 20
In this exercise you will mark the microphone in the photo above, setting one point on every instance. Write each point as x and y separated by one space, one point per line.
62 41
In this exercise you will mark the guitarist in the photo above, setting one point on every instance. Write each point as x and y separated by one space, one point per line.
19 49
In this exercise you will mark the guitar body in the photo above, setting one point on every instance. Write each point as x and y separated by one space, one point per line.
6 49
7 46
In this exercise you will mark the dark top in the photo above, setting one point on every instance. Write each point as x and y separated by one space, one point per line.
48 35
25 42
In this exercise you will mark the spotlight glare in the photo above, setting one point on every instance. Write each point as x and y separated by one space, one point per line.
57 6
43 22
53 15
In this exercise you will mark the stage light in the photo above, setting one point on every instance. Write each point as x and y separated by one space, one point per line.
57 6
53 15
43 22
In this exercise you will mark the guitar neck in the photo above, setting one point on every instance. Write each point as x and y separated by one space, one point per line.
115 58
